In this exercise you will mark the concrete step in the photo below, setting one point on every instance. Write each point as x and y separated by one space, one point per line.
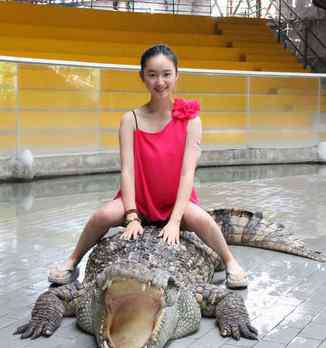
108 36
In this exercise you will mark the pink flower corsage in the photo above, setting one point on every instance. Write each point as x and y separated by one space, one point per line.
185 109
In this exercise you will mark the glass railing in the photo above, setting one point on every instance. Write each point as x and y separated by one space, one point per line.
60 108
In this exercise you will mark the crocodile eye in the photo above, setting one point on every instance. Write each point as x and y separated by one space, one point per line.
171 292
171 283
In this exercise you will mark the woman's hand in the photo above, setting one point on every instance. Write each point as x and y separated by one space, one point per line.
133 229
171 233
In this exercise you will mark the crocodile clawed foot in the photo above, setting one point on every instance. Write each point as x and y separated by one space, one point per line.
239 330
33 330
233 319
248 331
47 316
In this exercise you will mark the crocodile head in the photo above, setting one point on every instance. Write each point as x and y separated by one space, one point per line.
137 307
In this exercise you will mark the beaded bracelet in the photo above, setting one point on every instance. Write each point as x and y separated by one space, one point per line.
131 211
128 221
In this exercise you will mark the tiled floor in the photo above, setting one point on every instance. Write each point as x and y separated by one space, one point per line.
40 223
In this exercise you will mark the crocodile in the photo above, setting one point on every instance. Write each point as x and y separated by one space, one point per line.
144 293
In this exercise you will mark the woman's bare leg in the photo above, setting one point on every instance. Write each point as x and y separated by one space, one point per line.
111 214
197 220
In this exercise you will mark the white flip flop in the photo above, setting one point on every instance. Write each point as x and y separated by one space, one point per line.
236 281
58 274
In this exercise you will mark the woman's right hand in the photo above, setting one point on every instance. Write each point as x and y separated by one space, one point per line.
133 229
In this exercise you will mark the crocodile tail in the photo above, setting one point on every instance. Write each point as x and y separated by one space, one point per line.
242 227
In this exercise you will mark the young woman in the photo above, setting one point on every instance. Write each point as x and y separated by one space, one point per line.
159 149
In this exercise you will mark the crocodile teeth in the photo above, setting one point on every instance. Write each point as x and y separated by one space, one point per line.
108 343
101 330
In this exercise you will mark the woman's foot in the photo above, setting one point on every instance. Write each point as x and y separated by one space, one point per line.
236 277
63 273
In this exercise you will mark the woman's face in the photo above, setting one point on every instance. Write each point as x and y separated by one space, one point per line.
160 76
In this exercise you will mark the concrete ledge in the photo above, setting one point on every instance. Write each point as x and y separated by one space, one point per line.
14 169
249 156
5 171
76 164
19 169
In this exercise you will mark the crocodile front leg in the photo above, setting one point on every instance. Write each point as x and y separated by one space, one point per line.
229 310
48 311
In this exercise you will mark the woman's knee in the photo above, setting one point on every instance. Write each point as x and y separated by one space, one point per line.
101 217
111 214
196 218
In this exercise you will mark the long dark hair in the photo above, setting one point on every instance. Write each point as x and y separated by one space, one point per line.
155 51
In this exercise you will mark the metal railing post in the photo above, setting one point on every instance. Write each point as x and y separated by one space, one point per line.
258 8
279 20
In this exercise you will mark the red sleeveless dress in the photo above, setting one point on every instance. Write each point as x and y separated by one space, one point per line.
158 162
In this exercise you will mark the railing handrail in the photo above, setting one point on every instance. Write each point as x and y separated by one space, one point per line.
303 21
291 42
292 23
293 28
127 67
290 8
317 38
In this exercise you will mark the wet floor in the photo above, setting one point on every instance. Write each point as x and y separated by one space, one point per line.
40 223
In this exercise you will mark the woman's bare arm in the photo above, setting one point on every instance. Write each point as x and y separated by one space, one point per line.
190 158
126 140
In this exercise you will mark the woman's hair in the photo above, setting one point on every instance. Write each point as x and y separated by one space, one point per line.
157 50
